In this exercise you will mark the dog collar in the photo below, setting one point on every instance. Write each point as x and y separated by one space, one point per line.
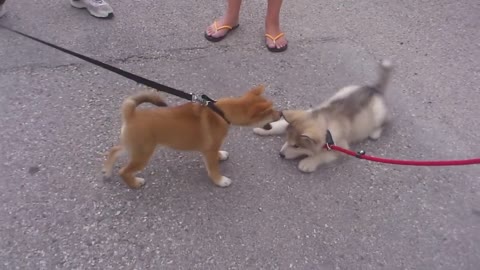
329 140
206 101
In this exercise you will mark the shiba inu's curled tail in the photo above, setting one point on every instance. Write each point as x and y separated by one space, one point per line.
131 103
386 68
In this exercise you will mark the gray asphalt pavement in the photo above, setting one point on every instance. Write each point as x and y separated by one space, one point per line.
59 114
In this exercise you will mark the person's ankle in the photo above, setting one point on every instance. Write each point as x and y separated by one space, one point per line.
272 28
229 19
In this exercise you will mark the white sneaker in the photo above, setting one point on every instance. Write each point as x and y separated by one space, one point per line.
2 10
98 8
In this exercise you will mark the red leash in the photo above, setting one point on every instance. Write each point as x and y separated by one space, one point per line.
361 155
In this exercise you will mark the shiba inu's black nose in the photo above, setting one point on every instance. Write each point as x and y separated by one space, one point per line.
281 155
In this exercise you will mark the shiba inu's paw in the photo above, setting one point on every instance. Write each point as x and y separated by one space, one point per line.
223 155
137 183
308 164
106 172
224 182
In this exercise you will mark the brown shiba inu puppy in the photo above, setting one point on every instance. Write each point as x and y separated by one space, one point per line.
190 126
353 114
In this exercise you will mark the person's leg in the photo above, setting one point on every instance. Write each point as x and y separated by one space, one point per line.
2 8
274 36
229 20
97 8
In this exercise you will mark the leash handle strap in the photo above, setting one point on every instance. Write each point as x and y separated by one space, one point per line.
362 155
136 78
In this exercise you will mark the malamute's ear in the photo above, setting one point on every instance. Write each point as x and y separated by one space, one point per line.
307 141
311 137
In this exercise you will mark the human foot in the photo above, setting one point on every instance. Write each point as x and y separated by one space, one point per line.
275 38
219 29
97 8
276 43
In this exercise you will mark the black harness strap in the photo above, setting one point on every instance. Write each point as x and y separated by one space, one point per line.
203 99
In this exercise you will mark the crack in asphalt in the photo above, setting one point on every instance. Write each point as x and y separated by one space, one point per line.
166 54
177 54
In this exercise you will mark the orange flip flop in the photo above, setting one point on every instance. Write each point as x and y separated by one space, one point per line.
216 39
274 39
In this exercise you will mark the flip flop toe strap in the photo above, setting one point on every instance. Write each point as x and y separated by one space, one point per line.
274 39
228 27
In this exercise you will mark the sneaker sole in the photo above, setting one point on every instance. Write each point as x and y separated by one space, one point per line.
80 5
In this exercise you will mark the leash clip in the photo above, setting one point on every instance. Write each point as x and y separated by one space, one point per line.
199 99
359 154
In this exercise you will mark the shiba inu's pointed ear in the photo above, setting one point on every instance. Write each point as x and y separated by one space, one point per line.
292 115
258 90
261 108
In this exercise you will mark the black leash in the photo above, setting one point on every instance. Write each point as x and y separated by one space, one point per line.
201 99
